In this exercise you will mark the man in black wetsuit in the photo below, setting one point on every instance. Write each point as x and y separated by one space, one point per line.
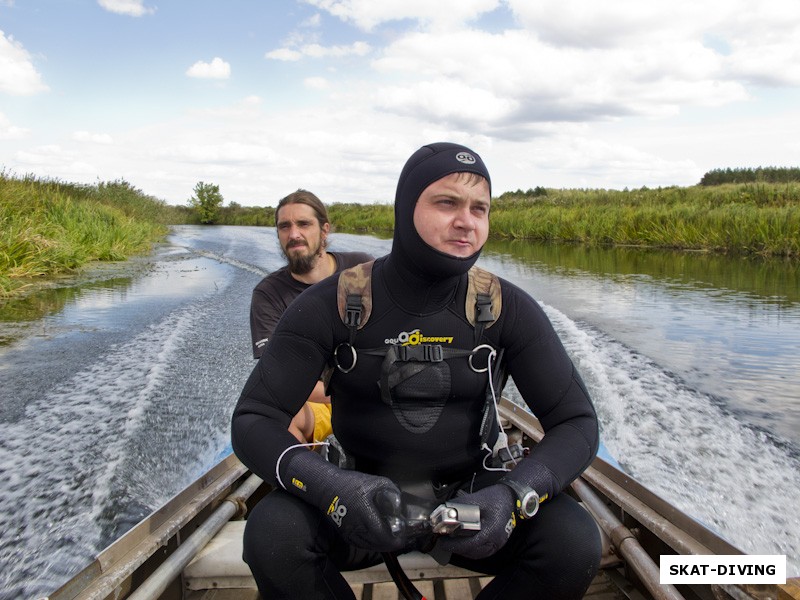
303 227
420 420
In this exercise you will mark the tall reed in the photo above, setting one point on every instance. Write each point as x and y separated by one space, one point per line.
49 227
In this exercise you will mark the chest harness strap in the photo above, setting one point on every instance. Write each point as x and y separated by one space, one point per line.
483 305
354 300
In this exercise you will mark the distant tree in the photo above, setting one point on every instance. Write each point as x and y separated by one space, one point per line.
745 175
207 202
538 191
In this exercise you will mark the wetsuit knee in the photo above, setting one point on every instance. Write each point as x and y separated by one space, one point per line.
569 548
555 555
274 523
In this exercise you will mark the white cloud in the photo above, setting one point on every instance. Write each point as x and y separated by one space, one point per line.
222 153
46 150
246 109
94 138
216 69
18 76
316 83
313 21
51 160
753 41
613 23
133 8
534 82
453 102
284 54
367 14
259 156
573 61
318 51
252 101
9 131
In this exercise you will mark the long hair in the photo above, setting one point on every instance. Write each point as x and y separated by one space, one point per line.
304 197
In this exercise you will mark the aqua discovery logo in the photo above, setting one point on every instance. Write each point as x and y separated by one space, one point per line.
415 337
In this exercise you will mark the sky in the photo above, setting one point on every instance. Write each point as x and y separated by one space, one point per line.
262 98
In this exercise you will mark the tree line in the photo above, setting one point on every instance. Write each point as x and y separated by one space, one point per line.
750 175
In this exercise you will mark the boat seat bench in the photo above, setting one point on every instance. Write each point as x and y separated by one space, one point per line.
219 573
219 569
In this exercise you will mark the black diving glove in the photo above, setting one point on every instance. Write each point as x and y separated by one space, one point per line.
366 509
497 522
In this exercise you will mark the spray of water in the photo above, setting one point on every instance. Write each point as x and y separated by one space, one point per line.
688 448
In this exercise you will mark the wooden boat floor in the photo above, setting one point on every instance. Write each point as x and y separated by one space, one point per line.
602 588
219 573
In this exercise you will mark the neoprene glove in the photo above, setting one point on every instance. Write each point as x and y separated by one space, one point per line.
497 522
367 509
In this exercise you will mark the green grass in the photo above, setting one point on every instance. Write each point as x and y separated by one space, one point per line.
753 218
746 218
50 227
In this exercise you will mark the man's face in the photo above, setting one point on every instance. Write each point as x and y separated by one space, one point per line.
452 214
300 236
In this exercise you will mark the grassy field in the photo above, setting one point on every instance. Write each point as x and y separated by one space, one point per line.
51 227
753 218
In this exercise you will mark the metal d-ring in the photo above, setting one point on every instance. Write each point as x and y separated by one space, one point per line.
492 354
336 357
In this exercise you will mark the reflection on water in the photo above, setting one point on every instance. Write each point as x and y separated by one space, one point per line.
726 326
771 280
94 298
39 312
45 302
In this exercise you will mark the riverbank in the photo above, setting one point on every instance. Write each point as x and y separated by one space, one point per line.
51 228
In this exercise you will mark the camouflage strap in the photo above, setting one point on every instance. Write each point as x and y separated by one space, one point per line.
484 300
354 296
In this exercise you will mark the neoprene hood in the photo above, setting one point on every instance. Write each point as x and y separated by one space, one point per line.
428 164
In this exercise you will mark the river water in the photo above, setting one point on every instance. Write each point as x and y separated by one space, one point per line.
116 391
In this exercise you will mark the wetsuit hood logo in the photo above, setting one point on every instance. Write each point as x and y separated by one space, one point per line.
466 158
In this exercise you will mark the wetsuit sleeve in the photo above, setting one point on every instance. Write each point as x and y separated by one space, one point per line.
553 389
281 381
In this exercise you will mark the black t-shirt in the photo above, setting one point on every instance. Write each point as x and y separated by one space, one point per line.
277 290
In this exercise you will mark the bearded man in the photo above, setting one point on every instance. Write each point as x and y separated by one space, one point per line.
301 220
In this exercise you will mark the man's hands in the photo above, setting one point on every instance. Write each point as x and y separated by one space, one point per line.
496 504
367 509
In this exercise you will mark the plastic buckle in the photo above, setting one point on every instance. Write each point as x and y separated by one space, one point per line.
352 311
483 308
433 353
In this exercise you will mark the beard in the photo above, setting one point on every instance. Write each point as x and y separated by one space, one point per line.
301 264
